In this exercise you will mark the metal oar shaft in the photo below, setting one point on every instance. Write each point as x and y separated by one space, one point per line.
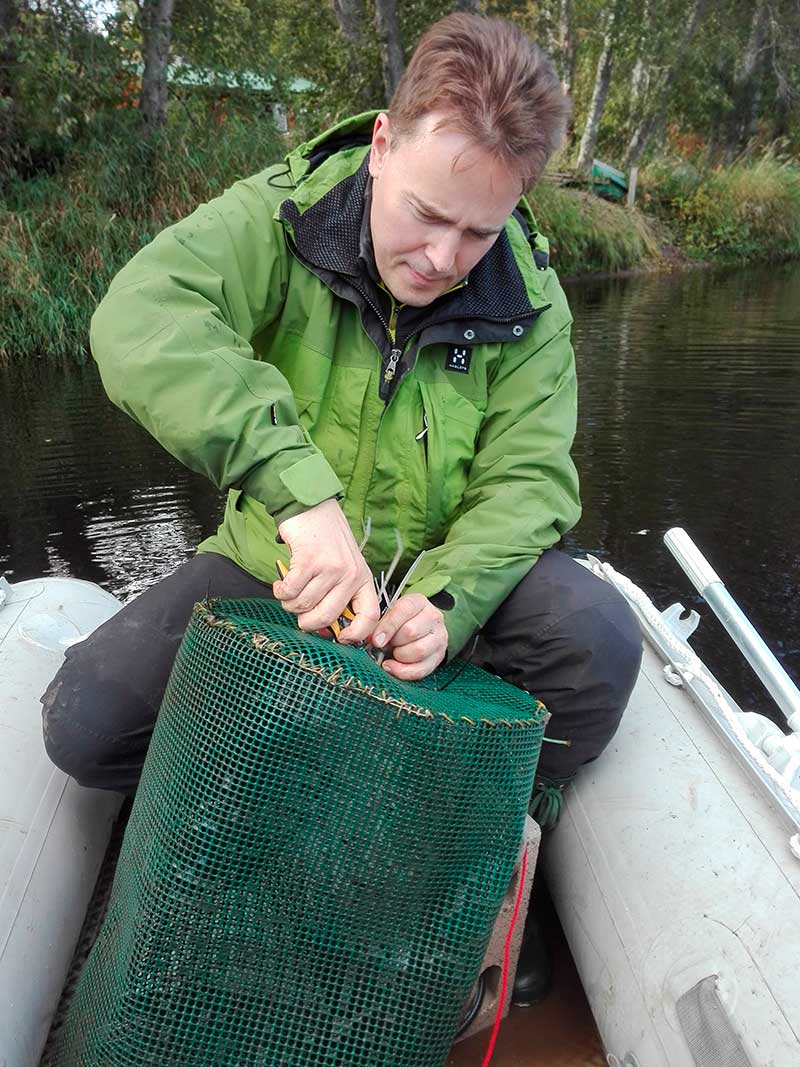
753 647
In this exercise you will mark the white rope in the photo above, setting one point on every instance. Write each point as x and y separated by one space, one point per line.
689 666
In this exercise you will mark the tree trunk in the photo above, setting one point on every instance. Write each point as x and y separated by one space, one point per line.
350 18
566 41
640 79
567 52
785 97
602 80
156 40
746 83
9 17
391 45
655 115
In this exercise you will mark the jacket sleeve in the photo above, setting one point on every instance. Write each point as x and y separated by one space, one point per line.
522 492
172 341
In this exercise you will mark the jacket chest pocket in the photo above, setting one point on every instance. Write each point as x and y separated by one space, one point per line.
450 442
332 419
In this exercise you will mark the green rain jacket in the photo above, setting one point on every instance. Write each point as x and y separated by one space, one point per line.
254 341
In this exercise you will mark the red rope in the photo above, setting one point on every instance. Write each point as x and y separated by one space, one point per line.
507 959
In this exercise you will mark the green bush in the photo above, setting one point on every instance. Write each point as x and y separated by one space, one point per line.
749 210
665 182
64 236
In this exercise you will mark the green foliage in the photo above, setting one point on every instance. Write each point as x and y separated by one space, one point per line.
63 237
307 43
65 73
665 183
90 192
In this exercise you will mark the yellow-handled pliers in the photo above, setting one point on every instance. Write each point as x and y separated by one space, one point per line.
338 624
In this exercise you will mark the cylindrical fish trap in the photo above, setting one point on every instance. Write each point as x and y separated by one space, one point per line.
314 861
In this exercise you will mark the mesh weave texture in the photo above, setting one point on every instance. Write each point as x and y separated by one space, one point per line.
314 860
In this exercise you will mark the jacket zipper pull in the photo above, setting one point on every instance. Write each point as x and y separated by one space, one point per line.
423 436
391 366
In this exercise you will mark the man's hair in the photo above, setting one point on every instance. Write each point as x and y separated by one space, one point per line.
496 86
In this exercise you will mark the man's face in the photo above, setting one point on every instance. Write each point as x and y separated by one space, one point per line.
438 205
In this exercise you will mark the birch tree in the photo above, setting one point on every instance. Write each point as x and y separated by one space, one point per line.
565 58
566 51
747 80
156 18
640 78
602 81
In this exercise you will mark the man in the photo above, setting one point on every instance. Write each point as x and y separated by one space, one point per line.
370 332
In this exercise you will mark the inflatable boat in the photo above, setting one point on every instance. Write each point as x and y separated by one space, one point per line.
675 868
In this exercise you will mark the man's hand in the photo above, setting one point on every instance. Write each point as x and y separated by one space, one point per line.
326 573
413 629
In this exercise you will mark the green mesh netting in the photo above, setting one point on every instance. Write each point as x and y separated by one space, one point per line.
314 861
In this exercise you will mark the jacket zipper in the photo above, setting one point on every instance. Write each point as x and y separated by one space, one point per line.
391 330
391 333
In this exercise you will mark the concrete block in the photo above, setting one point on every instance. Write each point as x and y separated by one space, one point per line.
492 966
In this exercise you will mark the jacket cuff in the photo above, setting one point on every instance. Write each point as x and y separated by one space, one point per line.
300 486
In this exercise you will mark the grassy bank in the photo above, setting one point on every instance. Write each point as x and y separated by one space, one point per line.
63 236
593 236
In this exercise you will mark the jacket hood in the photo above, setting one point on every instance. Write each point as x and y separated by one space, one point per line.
353 132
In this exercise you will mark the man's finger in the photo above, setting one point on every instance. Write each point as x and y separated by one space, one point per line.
367 613
310 595
417 651
329 609
398 615
425 624
296 579
412 672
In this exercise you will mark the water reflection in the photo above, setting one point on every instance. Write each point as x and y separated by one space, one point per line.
86 492
690 397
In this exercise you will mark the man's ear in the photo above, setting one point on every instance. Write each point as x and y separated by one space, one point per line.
381 144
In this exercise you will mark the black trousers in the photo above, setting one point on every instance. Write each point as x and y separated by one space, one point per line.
563 634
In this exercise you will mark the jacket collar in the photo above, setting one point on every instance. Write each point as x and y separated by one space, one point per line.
331 235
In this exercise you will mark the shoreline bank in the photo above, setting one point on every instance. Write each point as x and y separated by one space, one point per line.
63 236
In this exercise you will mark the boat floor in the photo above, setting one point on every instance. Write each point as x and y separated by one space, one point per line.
558 1032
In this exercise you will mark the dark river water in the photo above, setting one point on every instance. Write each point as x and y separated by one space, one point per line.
690 407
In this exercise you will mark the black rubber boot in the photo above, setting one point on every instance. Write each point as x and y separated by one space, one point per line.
534 978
